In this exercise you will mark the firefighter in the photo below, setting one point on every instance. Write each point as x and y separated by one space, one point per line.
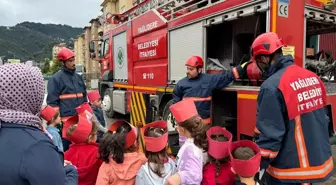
291 123
66 88
198 86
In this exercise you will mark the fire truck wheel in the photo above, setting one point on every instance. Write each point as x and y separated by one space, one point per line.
167 116
107 103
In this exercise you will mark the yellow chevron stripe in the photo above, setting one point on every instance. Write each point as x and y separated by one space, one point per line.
142 116
142 100
141 109
139 113
137 118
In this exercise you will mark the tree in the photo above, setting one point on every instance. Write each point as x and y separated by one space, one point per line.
55 67
46 67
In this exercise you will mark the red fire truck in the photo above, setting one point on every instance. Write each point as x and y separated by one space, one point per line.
146 51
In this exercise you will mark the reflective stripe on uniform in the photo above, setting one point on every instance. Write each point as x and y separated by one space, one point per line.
197 99
305 171
300 143
235 73
315 172
69 96
268 153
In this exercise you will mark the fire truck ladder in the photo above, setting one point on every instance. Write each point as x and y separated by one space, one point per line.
169 9
320 21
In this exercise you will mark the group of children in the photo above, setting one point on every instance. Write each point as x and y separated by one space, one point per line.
117 159
84 130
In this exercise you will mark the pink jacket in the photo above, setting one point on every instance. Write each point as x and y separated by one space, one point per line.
121 174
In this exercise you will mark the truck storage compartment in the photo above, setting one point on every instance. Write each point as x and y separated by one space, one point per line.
183 43
224 110
319 51
231 40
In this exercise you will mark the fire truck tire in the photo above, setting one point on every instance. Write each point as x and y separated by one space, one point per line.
108 103
167 116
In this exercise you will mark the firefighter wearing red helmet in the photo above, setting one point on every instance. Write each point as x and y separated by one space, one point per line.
292 126
198 86
66 88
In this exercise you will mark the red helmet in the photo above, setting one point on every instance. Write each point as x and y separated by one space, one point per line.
266 44
194 61
65 54
253 72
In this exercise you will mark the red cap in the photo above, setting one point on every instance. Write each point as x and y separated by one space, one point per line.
245 168
82 130
85 106
183 110
219 149
93 96
130 136
48 113
155 144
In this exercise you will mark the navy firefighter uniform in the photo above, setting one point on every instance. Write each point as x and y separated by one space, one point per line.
66 88
292 125
200 87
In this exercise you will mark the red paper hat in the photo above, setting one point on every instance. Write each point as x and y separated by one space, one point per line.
246 168
82 130
93 96
183 110
131 136
85 106
48 113
155 144
219 149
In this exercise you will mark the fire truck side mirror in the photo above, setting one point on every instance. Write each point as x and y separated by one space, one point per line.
92 55
92 47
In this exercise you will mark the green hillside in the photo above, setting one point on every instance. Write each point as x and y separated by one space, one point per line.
34 41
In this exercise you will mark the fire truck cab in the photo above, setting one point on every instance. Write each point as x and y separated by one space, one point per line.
146 52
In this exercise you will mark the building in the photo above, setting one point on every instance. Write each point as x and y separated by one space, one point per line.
56 49
87 59
93 32
79 49
95 37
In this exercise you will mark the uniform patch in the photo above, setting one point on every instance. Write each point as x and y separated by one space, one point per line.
303 91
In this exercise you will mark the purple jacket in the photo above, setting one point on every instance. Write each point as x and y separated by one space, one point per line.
189 163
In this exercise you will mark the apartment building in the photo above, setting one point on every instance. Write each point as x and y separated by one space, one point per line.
79 49
56 49
93 32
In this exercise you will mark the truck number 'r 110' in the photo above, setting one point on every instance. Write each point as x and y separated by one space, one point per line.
148 76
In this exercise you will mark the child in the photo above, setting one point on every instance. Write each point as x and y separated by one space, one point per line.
53 119
119 150
83 153
190 156
159 166
85 107
218 171
245 161
95 101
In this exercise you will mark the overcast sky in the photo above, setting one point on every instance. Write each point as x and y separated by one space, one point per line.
76 13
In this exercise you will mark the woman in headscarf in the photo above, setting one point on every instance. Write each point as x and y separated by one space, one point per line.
27 154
